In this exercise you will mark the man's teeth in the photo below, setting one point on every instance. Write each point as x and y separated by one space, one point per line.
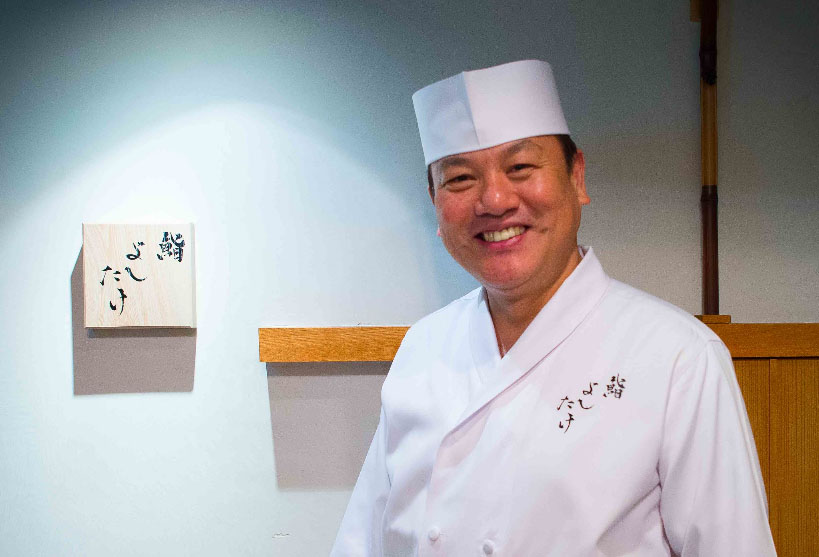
501 235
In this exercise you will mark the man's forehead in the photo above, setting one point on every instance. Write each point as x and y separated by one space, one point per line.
503 150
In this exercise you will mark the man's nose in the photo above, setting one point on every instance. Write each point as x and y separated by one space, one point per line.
498 195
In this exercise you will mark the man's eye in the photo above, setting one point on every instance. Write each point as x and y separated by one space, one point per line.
460 179
520 167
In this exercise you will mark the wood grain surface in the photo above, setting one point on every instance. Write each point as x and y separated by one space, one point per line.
794 456
379 344
129 281
710 318
329 344
769 340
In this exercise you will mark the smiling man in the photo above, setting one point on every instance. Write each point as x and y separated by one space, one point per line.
554 410
509 215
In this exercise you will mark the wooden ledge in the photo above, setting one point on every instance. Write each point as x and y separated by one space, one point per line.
379 344
710 319
330 344
769 340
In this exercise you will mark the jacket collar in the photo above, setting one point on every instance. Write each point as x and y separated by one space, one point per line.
561 315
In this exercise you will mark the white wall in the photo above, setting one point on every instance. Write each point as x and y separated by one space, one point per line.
285 132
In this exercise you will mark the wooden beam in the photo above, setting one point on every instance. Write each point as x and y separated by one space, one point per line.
329 344
708 198
710 319
379 344
769 340
695 12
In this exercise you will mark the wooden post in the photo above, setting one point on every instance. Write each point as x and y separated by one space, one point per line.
708 199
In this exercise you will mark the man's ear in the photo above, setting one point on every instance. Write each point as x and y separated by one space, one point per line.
430 184
578 178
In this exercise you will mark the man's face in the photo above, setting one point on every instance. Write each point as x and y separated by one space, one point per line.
509 214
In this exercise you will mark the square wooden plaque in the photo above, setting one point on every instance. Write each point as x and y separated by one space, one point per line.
139 275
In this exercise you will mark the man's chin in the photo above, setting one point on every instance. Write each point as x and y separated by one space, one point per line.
501 282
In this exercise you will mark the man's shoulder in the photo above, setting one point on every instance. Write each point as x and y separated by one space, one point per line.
446 318
645 311
437 340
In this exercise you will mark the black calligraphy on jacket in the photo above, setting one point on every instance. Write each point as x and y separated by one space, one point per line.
572 408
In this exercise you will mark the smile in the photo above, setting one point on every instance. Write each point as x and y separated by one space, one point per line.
501 235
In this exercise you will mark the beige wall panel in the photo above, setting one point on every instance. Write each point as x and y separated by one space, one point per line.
793 503
138 275
753 378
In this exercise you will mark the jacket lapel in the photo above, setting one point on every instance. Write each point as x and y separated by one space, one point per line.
567 309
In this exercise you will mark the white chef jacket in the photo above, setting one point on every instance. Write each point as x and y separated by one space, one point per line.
613 426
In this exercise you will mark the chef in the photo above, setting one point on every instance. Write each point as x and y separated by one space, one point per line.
553 410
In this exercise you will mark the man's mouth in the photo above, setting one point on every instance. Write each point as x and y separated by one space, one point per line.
501 235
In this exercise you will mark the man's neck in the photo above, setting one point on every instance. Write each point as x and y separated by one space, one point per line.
513 311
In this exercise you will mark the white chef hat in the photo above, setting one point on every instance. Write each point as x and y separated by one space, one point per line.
483 108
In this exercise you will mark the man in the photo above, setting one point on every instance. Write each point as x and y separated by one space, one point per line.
553 411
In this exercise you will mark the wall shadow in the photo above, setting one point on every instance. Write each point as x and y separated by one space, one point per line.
323 416
110 361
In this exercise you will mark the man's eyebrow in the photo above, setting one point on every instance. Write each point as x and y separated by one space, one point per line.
516 147
452 161
521 145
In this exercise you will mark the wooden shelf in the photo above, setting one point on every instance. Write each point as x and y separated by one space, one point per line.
379 344
329 344
769 340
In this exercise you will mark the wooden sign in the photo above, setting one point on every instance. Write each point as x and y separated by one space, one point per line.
139 275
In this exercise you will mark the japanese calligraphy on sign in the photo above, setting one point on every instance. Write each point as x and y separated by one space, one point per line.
138 275
575 407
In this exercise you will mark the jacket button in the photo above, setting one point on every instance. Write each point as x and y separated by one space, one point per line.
434 533
488 547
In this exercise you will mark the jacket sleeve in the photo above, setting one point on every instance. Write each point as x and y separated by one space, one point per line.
713 499
360 531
